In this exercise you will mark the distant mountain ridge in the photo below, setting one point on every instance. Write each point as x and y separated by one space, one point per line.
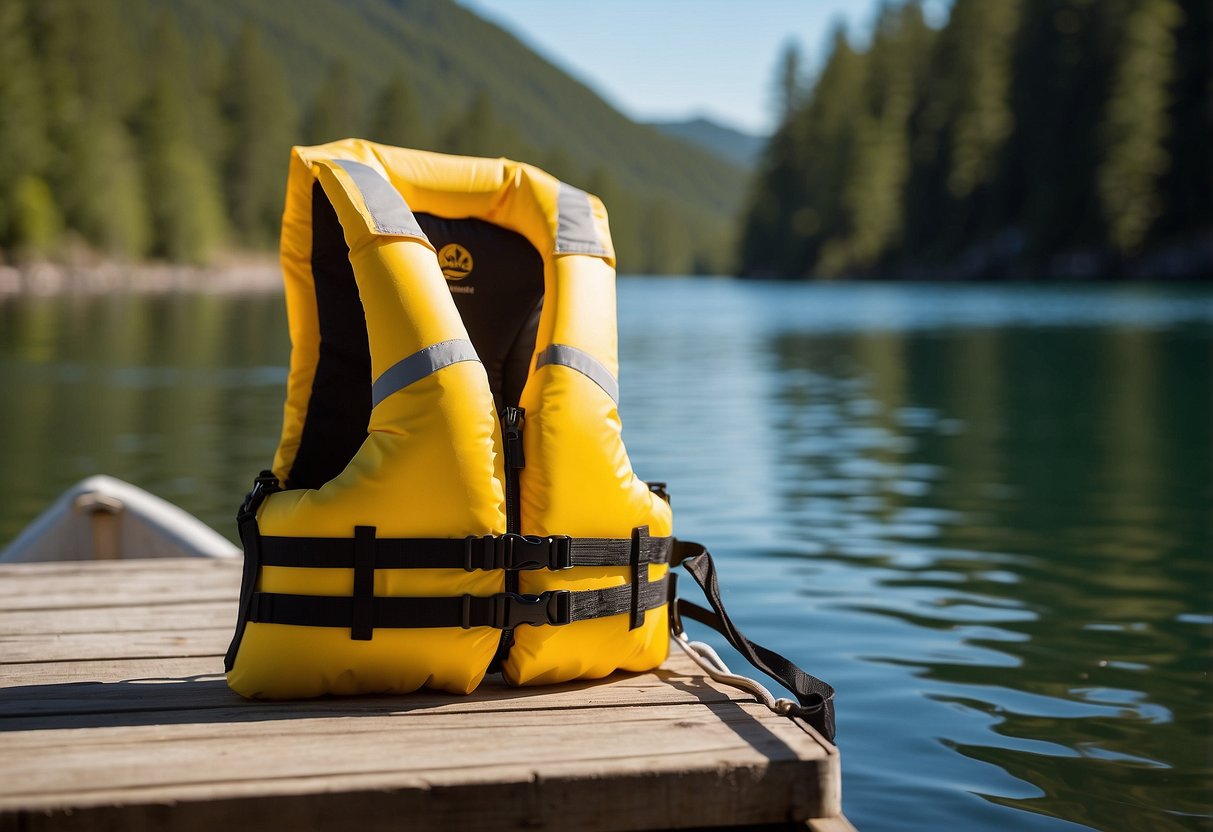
732 145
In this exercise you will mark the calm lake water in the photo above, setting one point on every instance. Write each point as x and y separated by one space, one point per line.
981 512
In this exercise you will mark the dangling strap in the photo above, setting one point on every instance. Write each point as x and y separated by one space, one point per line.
815 697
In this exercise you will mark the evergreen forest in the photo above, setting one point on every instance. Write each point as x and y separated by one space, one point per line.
1022 139
1018 138
160 129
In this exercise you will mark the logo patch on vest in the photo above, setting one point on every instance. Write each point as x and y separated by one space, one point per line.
455 261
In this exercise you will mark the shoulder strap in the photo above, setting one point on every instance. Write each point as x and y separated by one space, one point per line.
815 697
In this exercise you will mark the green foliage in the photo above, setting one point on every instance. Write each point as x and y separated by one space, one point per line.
261 119
789 83
1189 179
184 203
1135 125
103 198
477 131
874 195
798 205
208 74
156 143
22 126
975 48
85 87
450 56
37 225
1021 133
394 118
335 112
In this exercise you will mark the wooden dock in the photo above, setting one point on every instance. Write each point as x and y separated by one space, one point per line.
114 715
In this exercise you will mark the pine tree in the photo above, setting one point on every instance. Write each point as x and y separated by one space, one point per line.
477 132
22 128
666 243
797 214
1046 193
394 117
207 124
104 198
183 198
1136 125
37 225
94 171
335 112
874 196
979 38
262 120
1189 181
962 134
789 85
106 55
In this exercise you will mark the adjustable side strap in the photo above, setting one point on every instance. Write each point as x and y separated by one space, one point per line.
815 697
250 538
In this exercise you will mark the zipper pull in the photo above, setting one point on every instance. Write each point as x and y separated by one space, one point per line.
512 437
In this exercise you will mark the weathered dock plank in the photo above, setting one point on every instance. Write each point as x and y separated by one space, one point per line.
114 714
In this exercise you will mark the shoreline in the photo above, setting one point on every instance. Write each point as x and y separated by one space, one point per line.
242 272
237 274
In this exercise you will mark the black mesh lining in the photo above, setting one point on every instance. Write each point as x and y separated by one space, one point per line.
499 299
339 409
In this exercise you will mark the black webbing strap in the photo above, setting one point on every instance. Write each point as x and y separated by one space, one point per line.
815 697
599 603
505 551
640 576
250 538
246 523
362 624
505 609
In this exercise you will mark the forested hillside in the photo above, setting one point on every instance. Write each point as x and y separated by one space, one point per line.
1026 138
134 129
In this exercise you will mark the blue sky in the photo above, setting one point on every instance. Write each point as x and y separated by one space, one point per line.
672 59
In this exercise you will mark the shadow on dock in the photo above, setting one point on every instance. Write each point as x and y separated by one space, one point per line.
206 699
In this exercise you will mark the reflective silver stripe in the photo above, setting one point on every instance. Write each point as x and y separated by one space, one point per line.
582 362
421 364
575 231
387 207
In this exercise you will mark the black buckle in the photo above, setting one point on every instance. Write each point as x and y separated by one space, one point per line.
263 486
513 610
517 552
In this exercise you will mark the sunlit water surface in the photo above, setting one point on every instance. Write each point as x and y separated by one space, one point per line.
981 512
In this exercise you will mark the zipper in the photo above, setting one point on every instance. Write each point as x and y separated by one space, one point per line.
511 439
511 436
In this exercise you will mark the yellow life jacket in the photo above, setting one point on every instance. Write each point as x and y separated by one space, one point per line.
418 537
451 493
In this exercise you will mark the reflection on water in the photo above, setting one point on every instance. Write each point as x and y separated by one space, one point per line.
180 394
982 513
